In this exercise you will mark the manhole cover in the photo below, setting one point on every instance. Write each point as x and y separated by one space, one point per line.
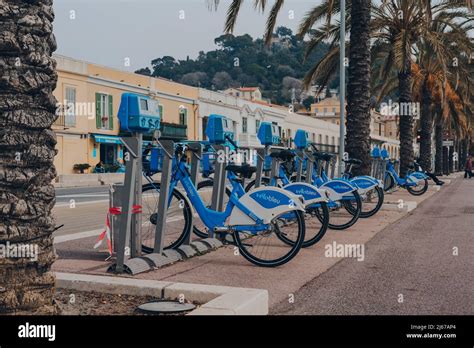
166 307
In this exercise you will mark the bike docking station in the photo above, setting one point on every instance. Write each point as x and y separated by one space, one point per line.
139 115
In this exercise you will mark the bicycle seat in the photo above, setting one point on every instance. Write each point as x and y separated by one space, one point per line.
284 155
244 170
323 156
353 161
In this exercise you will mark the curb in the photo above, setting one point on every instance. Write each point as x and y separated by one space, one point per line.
217 300
408 206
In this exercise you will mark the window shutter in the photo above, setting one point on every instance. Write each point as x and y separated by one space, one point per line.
111 113
160 107
98 115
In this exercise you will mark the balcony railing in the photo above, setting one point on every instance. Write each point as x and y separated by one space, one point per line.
174 131
61 121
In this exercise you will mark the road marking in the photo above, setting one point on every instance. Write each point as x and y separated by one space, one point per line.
83 195
75 236
67 204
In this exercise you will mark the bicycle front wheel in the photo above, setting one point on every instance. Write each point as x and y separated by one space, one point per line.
372 203
418 190
178 218
271 248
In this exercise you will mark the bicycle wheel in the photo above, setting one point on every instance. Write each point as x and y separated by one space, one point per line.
316 219
345 213
266 248
265 182
418 190
178 218
372 203
204 189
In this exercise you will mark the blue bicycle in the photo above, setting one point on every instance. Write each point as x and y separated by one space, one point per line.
316 204
267 224
369 188
416 183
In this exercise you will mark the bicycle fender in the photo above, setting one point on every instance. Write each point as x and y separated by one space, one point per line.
414 178
310 193
363 184
266 203
419 175
338 188
368 177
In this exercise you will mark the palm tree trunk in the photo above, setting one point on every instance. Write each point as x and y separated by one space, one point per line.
358 88
426 128
27 150
450 159
406 119
439 169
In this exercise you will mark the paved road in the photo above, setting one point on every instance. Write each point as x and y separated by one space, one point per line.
81 194
413 258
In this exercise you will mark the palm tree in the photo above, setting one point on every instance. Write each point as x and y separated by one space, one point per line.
358 113
27 150
400 25
447 40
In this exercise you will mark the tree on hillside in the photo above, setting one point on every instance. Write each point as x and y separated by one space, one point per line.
222 80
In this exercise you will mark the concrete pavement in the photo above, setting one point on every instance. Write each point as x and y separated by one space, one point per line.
224 267
422 264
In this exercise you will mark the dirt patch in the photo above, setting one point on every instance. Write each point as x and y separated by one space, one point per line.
93 303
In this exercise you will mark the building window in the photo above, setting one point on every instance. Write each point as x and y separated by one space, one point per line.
70 107
244 125
380 129
257 125
320 139
334 110
314 137
183 116
316 110
104 111
325 110
327 140
160 109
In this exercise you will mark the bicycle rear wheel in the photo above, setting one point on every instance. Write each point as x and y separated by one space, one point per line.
372 203
268 248
347 214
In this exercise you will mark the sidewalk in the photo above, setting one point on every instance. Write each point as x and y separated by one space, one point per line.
222 267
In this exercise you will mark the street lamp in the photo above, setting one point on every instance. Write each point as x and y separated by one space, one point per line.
342 86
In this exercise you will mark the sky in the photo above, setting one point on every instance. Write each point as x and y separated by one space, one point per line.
128 34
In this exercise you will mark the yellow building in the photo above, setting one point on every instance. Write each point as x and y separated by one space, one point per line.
383 132
89 96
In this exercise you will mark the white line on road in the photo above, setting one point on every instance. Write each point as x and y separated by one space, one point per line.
67 204
75 236
83 195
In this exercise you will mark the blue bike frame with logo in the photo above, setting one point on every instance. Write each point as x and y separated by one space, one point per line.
400 181
212 218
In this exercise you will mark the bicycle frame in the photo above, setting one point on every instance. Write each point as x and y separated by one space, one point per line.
390 170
